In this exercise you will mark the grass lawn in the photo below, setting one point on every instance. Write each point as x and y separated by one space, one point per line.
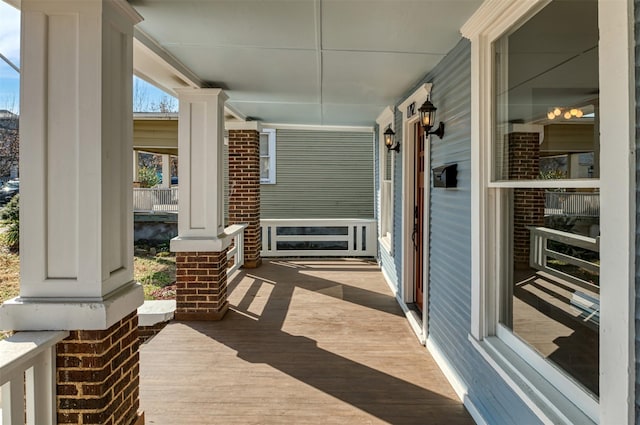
9 275
156 273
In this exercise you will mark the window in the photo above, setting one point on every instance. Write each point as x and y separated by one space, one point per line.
268 156
385 179
546 108
549 92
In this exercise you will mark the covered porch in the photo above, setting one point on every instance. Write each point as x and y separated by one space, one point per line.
305 341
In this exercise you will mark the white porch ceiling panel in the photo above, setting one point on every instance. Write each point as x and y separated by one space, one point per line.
318 62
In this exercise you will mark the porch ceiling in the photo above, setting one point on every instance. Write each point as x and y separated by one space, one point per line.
319 62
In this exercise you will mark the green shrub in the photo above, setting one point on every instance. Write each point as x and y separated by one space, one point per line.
148 177
11 221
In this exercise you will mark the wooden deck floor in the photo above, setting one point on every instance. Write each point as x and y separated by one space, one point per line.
306 342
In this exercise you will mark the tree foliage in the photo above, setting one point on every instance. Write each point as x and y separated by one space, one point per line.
148 177
10 217
9 143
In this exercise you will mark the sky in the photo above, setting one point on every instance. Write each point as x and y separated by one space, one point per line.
10 47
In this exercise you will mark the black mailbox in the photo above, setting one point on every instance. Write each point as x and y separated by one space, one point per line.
445 176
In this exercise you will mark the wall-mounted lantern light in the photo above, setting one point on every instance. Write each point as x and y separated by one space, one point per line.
389 139
428 118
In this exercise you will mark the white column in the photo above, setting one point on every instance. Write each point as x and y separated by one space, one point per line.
201 171
76 241
136 165
166 171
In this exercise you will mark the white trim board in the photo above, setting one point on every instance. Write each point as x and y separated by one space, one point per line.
457 383
344 128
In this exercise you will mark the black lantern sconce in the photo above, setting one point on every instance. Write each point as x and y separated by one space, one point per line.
389 139
428 118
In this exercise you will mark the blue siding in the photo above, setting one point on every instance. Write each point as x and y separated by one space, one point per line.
450 245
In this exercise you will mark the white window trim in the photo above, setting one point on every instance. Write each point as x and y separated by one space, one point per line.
617 215
271 134
384 120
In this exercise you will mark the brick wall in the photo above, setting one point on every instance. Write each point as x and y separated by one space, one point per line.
97 375
201 285
528 204
244 192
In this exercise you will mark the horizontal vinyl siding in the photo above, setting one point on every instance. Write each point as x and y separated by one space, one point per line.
450 246
155 134
321 174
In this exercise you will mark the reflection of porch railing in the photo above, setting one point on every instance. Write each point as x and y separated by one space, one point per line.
318 238
157 199
583 204
28 378
586 298
540 253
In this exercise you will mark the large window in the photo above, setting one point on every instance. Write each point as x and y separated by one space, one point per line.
385 172
545 163
553 103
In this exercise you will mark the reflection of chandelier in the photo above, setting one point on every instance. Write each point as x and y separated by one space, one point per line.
566 113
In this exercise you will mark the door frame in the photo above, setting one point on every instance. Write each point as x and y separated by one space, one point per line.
409 118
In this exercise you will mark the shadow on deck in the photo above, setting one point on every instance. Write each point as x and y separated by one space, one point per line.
305 342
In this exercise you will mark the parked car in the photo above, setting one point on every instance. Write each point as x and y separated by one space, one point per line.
9 190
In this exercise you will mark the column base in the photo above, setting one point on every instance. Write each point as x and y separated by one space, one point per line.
202 316
97 375
253 264
201 286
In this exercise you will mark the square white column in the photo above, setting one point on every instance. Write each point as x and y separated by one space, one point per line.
201 165
76 139
166 171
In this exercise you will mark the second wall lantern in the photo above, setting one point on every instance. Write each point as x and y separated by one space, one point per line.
428 118
389 139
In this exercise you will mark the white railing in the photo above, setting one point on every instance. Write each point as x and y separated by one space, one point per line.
318 238
156 199
582 204
28 377
236 252
540 252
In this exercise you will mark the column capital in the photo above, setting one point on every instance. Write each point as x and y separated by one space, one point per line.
196 244
243 125
189 92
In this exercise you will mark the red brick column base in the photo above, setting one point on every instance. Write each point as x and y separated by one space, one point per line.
97 376
201 287
244 196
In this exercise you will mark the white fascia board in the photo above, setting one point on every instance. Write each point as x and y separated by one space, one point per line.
345 128
158 67
145 45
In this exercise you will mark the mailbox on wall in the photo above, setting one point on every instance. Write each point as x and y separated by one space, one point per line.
445 176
